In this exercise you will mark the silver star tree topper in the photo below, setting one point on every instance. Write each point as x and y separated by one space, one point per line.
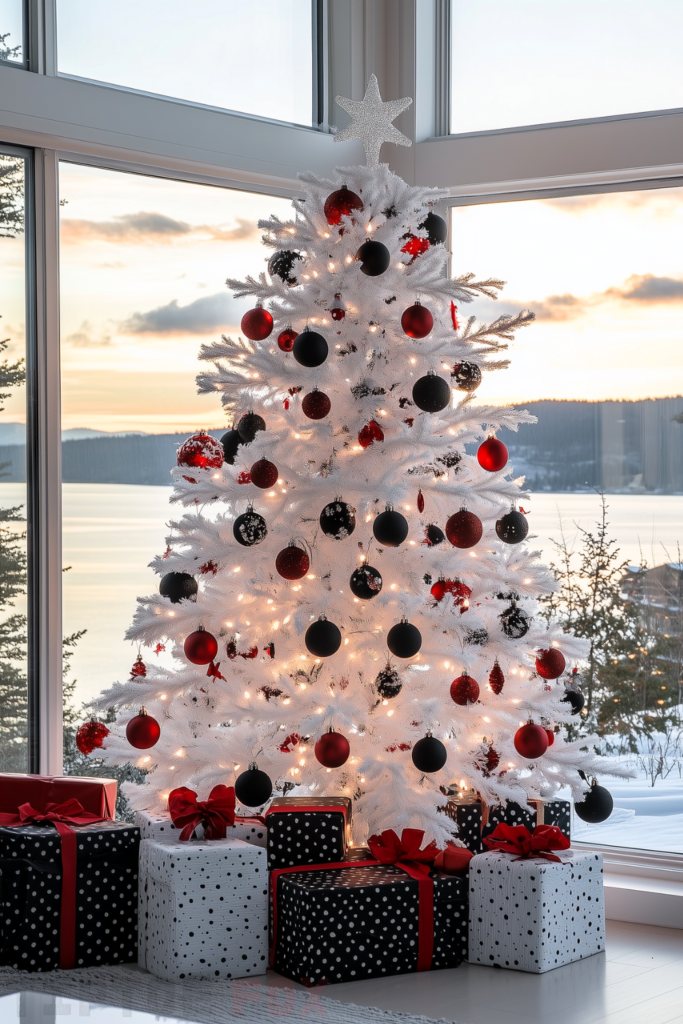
371 121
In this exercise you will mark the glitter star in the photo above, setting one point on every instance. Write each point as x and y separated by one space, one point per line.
371 121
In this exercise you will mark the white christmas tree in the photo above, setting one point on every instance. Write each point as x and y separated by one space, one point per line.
327 595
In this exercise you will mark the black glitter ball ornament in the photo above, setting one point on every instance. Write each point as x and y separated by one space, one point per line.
230 441
323 638
249 528
429 754
281 264
388 683
436 228
253 787
249 425
338 519
178 586
431 393
575 699
390 528
596 806
310 348
467 376
365 582
434 535
404 640
513 527
374 258
515 622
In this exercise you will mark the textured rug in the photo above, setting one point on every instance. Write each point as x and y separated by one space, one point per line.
247 1001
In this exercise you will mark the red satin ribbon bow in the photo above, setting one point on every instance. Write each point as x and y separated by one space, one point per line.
387 848
518 839
215 814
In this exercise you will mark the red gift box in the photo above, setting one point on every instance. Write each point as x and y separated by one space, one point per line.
97 796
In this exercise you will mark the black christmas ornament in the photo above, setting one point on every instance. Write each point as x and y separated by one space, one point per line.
404 640
574 698
281 264
249 528
515 622
365 582
596 806
431 393
323 638
231 440
429 754
310 348
513 527
390 528
434 535
388 683
467 376
253 787
435 227
338 519
178 586
374 258
249 426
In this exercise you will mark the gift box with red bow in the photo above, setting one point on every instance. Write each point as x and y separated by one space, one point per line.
477 820
535 904
389 913
307 830
68 888
188 818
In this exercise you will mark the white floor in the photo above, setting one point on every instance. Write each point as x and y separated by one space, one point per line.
639 980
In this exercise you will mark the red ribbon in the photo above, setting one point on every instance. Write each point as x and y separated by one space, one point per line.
518 839
62 816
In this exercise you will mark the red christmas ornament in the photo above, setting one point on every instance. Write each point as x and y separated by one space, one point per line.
139 668
292 563
286 339
332 749
201 451
550 664
337 310
340 204
464 690
316 405
496 678
90 735
492 455
531 741
143 731
464 529
420 502
417 321
415 246
264 474
200 647
257 324
369 433
551 737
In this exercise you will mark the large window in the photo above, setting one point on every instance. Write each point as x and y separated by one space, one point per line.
535 62
252 57
12 31
602 370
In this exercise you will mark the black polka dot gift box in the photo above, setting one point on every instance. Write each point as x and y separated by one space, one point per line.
307 830
203 910
69 893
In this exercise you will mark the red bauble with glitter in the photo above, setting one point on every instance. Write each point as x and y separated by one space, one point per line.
139 668
292 563
286 339
332 749
464 690
340 204
464 529
201 451
550 664
551 737
492 455
257 324
200 647
90 736
370 433
315 405
496 678
531 741
417 321
264 474
143 731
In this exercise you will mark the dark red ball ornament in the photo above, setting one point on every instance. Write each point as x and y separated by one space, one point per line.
316 405
90 736
292 563
531 741
417 321
370 433
201 451
257 324
264 474
332 749
550 664
496 678
492 455
143 731
464 690
286 339
340 204
464 529
200 647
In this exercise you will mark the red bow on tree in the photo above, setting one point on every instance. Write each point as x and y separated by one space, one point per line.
518 839
387 848
215 814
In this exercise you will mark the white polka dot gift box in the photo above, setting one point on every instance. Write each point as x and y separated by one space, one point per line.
534 914
189 817
203 909
307 830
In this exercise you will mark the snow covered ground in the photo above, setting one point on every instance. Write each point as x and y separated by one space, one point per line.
644 817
